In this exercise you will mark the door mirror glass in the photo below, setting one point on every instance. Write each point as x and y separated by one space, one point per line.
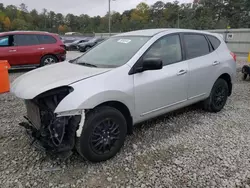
150 64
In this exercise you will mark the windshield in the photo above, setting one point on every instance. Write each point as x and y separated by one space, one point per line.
113 52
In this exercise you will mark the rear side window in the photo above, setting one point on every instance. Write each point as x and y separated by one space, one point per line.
196 45
214 41
4 41
46 39
25 40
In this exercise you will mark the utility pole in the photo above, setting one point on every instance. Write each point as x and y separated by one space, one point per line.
109 19
178 22
178 19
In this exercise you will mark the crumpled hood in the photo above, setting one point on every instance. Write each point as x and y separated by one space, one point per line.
43 79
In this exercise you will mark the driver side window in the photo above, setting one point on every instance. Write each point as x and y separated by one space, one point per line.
4 41
168 49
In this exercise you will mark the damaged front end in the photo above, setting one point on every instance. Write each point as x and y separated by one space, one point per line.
48 131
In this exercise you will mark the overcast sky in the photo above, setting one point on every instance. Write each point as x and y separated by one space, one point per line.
90 7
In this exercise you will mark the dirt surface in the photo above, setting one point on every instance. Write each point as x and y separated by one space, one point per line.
190 148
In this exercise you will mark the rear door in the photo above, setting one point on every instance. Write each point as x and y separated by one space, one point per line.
7 50
202 63
48 44
28 49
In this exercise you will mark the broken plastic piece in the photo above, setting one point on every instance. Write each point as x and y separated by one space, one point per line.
79 130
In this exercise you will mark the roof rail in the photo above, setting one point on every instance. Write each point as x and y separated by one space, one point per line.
29 31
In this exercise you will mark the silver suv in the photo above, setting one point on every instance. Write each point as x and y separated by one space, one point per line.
92 102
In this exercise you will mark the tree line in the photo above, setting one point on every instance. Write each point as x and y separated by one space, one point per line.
201 14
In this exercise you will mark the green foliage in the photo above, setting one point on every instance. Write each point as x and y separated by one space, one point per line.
202 14
19 24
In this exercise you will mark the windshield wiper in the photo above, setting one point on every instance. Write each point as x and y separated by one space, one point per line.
86 64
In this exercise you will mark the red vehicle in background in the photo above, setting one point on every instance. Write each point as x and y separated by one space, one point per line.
31 48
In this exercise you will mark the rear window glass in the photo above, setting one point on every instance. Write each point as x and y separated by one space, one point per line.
25 40
46 39
196 45
214 41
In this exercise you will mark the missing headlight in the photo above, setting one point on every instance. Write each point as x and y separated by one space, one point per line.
54 133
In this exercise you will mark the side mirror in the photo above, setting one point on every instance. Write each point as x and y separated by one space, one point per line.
150 64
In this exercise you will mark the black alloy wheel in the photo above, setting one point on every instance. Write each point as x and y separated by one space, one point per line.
218 96
103 134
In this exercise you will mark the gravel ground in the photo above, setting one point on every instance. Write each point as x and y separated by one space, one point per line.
189 148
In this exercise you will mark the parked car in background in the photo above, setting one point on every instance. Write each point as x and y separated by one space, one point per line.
85 46
66 40
73 45
73 33
127 79
31 48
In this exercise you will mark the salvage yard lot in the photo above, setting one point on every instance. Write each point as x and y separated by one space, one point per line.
188 148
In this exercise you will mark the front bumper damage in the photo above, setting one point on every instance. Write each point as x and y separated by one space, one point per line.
47 131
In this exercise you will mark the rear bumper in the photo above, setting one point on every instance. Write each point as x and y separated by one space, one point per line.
61 57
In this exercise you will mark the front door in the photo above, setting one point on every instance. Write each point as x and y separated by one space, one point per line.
7 50
158 90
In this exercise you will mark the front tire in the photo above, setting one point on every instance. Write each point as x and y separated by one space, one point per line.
103 134
218 96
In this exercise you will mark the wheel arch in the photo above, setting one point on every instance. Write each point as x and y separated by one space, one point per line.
228 79
48 55
123 109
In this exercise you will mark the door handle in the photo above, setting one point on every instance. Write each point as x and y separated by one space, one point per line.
216 63
181 72
12 50
40 48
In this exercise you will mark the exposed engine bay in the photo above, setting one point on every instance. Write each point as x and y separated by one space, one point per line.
47 131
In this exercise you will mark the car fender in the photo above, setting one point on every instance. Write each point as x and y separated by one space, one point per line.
90 100
225 69
94 91
107 96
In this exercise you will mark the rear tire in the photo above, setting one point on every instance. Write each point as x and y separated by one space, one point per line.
103 134
218 96
245 71
244 76
48 60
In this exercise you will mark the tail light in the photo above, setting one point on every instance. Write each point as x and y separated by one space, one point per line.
233 55
64 47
